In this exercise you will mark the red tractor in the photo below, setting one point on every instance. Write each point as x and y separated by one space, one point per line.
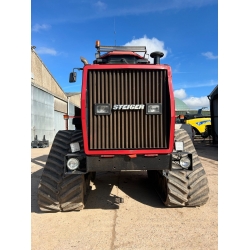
127 123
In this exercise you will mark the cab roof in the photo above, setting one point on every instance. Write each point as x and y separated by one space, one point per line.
122 53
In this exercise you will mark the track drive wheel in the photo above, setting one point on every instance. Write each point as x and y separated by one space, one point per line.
56 191
179 187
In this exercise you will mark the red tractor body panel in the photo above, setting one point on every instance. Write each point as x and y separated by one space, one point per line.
88 137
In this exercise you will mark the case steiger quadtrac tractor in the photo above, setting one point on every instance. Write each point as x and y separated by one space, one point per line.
127 123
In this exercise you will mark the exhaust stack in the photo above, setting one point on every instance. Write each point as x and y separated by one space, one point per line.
156 55
83 60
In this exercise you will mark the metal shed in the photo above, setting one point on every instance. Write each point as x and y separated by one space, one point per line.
213 98
49 102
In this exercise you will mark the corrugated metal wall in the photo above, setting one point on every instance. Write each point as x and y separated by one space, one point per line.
59 122
48 102
45 117
42 114
71 113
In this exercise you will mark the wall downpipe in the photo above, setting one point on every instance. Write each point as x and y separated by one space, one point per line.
68 112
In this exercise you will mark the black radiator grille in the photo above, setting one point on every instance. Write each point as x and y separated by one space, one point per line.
128 129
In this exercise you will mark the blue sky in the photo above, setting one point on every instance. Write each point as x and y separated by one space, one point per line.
186 31
69 30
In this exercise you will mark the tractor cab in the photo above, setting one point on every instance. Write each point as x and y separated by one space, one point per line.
120 54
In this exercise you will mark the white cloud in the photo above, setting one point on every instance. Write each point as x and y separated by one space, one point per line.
209 55
180 93
196 85
38 27
197 102
151 45
100 5
44 50
192 102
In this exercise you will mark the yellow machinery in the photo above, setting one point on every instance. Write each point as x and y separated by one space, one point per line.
200 123
201 126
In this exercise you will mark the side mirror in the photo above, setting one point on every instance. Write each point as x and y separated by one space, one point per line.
72 77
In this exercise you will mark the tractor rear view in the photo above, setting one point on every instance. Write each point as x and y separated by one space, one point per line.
127 123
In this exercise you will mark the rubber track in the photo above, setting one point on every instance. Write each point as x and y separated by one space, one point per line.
182 188
57 192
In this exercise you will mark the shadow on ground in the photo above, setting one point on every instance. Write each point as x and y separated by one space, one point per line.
37 163
104 194
206 148
39 159
131 184
35 178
